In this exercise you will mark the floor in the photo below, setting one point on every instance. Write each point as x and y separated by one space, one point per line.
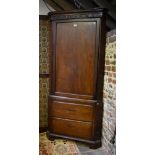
84 150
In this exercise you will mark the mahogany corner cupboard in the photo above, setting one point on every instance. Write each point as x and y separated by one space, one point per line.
77 54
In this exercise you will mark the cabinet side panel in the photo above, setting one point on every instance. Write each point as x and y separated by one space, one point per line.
76 58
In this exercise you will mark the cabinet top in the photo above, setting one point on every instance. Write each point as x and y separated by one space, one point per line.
75 14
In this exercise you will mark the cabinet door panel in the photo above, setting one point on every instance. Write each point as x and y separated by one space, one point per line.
76 58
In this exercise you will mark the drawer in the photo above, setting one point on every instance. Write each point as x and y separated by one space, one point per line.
70 111
72 128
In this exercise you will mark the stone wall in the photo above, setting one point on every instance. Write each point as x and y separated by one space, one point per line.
109 97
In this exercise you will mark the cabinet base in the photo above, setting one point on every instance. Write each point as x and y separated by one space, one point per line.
95 145
92 144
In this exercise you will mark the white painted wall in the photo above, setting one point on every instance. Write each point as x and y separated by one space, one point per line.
43 10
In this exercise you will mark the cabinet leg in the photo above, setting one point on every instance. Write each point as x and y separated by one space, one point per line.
52 138
95 145
49 137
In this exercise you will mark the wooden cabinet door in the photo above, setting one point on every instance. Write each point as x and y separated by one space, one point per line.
75 56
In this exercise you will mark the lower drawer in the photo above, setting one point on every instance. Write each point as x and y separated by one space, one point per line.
70 111
72 128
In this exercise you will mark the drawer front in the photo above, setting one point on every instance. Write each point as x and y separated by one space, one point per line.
72 128
71 111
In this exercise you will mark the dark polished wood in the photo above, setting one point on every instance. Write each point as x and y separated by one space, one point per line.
44 17
44 75
75 106
71 62
69 127
91 143
78 14
71 111
71 100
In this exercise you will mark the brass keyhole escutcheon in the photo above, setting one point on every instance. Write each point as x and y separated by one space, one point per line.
75 25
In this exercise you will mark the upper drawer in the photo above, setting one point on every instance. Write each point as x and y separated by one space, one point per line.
70 111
